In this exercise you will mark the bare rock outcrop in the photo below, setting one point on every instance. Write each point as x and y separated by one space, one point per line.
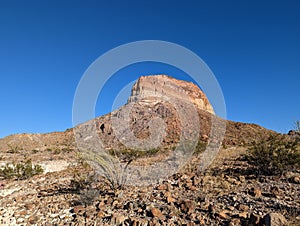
148 87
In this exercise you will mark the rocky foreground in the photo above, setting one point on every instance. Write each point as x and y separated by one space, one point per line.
228 193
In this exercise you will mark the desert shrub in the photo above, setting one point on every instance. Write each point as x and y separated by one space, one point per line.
274 155
133 153
201 146
56 151
82 175
34 151
13 149
20 171
85 184
107 166
67 149
81 181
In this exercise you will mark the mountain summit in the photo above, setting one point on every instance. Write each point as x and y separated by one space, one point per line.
165 86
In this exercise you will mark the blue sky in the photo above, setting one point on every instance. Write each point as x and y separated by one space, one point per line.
253 48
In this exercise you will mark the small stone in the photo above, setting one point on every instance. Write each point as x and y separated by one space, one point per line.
296 179
190 186
170 199
33 219
275 191
118 219
100 214
156 213
233 181
243 215
115 203
162 187
235 222
21 213
231 208
196 181
101 205
187 206
242 179
225 185
19 199
243 207
254 219
256 192
290 174
79 210
223 215
20 220
275 219
29 206
140 210
205 137
53 215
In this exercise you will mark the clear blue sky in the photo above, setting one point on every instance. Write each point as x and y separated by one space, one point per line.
253 48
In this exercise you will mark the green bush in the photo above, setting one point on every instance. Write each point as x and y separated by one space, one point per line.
274 155
20 171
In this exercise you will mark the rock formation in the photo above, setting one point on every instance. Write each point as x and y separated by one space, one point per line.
148 87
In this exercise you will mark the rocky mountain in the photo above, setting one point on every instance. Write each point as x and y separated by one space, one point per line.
166 86
148 96
231 191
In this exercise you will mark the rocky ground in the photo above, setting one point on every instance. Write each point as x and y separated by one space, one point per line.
228 193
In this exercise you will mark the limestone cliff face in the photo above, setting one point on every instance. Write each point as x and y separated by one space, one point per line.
149 87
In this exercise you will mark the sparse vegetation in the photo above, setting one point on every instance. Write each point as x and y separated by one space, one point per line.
81 177
13 149
107 166
34 151
67 149
56 151
20 171
81 181
133 153
274 155
201 146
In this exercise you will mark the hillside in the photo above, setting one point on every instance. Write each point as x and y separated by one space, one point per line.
231 191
